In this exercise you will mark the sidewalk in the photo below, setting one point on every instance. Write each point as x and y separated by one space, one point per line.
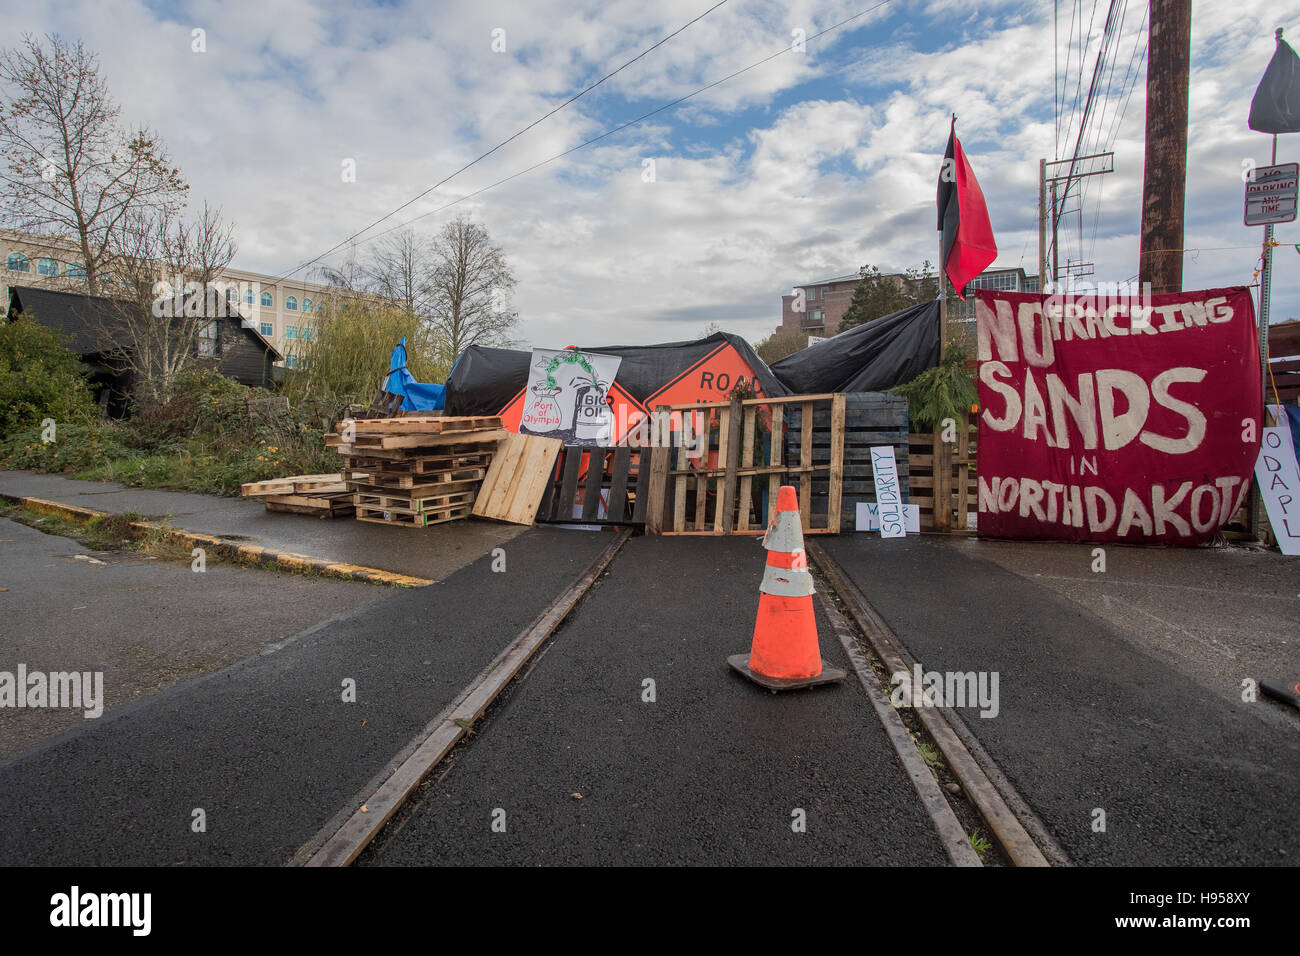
431 553
1095 716
268 748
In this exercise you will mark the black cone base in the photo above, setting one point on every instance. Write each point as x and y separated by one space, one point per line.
829 675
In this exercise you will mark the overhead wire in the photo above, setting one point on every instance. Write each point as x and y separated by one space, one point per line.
572 99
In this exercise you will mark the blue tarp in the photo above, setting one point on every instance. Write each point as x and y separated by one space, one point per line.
416 396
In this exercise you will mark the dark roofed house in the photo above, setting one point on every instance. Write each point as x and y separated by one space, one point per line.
234 348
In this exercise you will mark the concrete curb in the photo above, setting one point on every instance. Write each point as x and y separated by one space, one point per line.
232 551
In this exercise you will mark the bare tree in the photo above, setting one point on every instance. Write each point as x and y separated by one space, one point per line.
168 318
70 170
471 286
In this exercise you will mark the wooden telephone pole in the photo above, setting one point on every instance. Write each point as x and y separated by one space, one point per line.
1160 260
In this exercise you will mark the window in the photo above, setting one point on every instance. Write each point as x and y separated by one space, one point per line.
248 297
291 331
232 295
209 340
76 270
306 305
267 329
291 304
825 290
307 333
17 262
291 361
47 267
267 300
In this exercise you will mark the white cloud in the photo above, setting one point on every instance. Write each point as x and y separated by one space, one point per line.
761 182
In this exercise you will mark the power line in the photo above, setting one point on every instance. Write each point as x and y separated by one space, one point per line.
504 142
622 126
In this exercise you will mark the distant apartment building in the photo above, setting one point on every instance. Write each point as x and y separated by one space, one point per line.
282 311
825 301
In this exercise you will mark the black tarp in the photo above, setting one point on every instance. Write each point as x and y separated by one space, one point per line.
486 379
1275 107
890 351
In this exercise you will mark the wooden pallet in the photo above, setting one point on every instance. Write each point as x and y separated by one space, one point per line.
410 519
420 464
379 444
464 446
332 506
376 478
423 504
719 476
517 479
419 424
598 486
295 485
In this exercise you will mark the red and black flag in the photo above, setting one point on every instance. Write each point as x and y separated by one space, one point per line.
968 244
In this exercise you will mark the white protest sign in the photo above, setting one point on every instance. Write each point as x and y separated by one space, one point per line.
889 499
869 517
1279 482
566 396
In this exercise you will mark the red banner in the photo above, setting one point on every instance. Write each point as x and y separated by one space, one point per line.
1124 419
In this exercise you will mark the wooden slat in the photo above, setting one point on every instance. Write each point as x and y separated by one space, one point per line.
653 501
618 483
775 454
805 461
728 422
679 495
569 483
702 481
746 460
591 488
546 507
833 501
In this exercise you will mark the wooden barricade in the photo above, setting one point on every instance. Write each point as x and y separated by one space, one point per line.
597 486
726 460
944 472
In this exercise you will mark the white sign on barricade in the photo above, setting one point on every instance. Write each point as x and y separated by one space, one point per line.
869 517
889 497
1278 477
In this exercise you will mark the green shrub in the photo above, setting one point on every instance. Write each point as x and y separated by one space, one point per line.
39 378
944 391
76 446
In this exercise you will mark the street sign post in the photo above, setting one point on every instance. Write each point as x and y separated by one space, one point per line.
1271 193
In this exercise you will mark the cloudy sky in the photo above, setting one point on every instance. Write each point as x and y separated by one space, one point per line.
808 166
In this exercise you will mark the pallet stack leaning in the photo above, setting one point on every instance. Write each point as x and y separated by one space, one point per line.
415 471
325 496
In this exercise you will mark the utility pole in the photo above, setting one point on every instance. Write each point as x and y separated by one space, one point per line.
1164 184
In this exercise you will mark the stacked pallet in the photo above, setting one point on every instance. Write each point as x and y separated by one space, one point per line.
415 471
325 496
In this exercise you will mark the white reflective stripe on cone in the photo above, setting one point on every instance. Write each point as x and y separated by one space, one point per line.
785 533
787 582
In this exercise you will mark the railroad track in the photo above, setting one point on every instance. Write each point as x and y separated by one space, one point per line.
873 650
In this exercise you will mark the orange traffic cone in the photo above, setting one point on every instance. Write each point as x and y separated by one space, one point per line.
785 653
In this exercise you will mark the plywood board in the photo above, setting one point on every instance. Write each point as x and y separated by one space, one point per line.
517 478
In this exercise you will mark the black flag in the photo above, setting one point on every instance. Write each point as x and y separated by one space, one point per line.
1276 106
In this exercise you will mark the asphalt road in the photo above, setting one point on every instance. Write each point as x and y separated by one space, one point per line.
431 553
146 624
267 748
711 772
1090 717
